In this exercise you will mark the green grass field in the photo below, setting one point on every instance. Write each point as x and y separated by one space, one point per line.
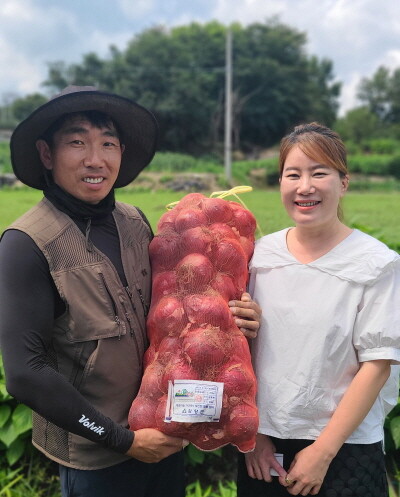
377 211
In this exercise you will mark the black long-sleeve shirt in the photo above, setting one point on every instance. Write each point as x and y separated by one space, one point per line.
29 304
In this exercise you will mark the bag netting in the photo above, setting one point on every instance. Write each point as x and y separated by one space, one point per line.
199 260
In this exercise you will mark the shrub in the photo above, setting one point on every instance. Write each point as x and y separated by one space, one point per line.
33 476
394 166
174 162
352 148
380 146
5 160
369 164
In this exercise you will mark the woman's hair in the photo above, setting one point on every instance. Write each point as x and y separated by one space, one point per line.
319 143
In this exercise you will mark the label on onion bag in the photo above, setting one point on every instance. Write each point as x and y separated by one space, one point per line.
194 401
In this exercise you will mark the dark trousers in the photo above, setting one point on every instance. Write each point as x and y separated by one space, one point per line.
358 470
131 478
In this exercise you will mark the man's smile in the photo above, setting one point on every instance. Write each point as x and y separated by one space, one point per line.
93 180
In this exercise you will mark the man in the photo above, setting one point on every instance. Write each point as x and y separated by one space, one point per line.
75 290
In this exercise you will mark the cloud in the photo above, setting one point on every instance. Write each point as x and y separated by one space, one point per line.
348 96
23 76
137 9
35 33
391 59
357 35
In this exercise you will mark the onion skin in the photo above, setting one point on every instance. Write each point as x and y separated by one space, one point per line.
194 273
164 284
221 231
168 317
226 287
167 221
196 240
206 347
217 210
189 218
149 356
247 245
168 348
243 422
142 414
243 220
206 309
150 386
164 251
177 369
238 380
191 200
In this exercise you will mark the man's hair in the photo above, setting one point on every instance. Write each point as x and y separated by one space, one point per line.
94 117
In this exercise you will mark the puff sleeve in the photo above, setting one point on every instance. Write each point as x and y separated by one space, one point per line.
377 325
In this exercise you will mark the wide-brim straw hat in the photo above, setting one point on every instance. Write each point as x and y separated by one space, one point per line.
137 124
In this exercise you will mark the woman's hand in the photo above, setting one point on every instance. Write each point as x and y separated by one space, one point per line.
247 315
260 462
307 471
310 465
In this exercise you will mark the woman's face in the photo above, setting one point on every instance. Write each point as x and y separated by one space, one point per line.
311 191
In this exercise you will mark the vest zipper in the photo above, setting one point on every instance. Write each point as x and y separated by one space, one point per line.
130 295
132 333
140 293
128 318
114 306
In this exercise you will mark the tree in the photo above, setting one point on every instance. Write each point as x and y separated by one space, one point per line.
357 125
22 107
374 93
180 75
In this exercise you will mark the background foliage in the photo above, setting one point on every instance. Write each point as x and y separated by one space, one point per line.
180 75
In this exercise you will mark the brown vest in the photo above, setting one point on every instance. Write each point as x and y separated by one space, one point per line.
99 342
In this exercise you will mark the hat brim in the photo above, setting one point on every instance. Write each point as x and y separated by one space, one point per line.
138 125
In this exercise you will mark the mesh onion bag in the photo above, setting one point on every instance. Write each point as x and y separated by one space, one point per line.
199 260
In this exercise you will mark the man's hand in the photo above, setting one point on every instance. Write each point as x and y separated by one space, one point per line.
260 462
247 315
151 445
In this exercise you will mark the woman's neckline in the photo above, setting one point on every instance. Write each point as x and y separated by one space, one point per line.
306 258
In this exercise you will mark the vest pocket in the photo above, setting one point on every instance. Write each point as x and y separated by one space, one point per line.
92 302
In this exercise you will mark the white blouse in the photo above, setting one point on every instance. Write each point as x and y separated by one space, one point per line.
319 321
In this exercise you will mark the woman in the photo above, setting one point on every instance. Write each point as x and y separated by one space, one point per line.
330 331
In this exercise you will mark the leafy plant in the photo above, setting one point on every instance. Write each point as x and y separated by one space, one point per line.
15 424
226 489
194 490
36 476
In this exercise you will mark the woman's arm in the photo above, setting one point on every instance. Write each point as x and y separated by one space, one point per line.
310 465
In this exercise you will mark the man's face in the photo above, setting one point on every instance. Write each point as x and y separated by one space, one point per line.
84 160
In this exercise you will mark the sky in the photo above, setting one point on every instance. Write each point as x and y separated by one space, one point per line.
358 36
